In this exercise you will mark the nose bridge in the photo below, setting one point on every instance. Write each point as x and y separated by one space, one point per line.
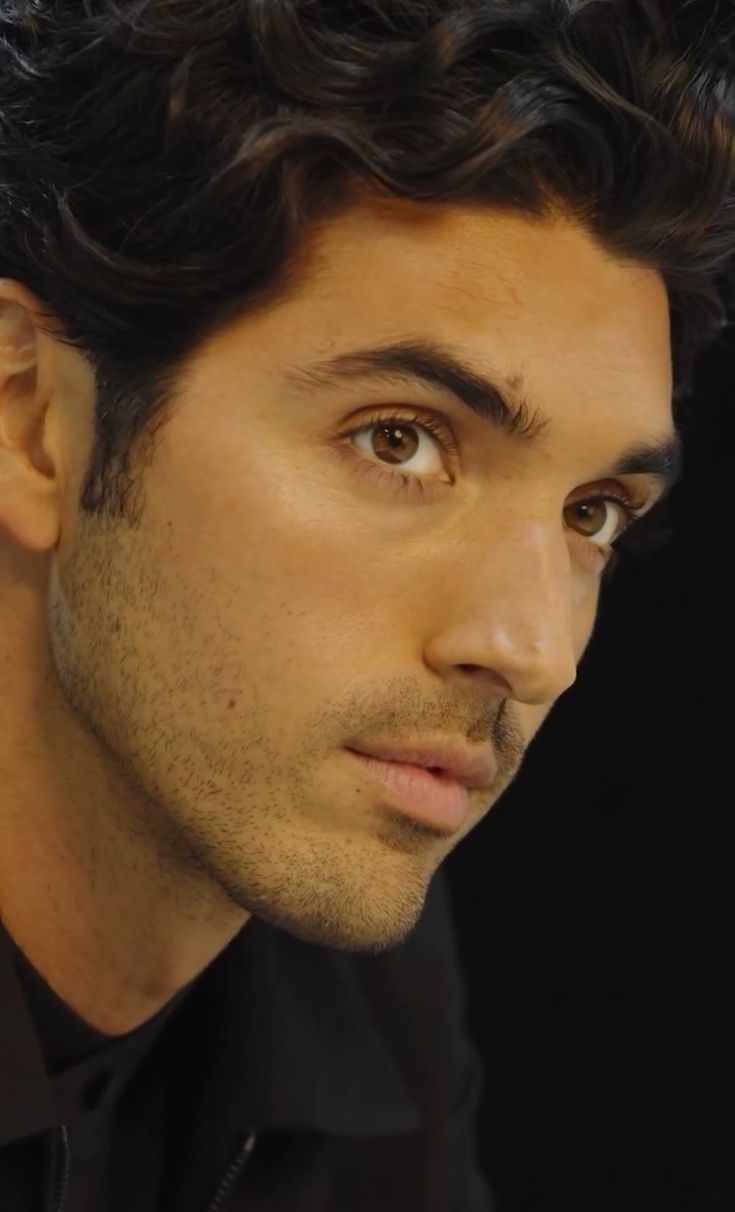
517 609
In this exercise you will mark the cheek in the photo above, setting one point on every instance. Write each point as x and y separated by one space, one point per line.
243 507
271 557
293 530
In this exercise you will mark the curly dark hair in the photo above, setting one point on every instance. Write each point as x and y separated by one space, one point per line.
163 162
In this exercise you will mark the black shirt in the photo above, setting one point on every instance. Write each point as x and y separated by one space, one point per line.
288 1078
89 1072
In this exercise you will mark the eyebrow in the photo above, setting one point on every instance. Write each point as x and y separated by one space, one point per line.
505 405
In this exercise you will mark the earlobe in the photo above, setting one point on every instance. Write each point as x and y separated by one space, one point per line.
28 518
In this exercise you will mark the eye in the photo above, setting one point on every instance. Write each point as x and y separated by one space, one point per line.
603 519
407 443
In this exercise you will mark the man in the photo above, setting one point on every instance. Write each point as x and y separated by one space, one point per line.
336 360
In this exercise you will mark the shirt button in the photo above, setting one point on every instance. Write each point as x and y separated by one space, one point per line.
95 1090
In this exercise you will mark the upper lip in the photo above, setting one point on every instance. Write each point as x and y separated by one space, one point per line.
475 768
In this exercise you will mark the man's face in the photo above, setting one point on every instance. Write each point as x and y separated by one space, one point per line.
304 579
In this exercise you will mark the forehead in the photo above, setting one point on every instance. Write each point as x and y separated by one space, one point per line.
536 298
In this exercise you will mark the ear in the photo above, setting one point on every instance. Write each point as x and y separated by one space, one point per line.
29 482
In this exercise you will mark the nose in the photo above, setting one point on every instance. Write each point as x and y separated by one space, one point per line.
514 611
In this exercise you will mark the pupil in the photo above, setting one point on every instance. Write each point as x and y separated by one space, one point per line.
391 441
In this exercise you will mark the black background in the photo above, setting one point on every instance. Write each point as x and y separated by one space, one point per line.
594 902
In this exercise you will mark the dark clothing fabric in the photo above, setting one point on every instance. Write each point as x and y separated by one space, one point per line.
285 1078
87 1070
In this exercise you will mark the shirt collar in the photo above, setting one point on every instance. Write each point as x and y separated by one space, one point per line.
288 1026
276 1033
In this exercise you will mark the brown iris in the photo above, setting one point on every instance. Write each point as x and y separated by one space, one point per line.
591 516
386 443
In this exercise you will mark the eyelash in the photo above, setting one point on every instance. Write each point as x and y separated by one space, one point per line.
632 508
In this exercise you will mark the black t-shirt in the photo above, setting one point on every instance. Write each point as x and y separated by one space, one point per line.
113 1128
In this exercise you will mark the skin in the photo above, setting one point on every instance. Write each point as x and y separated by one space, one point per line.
177 695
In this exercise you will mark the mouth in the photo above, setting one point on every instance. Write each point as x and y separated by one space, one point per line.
430 796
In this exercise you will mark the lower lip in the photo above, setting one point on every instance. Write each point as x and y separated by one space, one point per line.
434 799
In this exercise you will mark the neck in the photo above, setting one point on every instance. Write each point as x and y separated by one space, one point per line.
115 915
